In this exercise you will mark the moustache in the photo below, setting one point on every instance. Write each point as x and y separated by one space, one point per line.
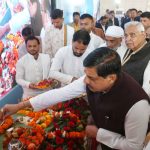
77 54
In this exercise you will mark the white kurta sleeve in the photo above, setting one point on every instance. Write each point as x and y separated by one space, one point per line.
58 95
56 67
147 147
146 79
98 41
20 73
136 124
95 41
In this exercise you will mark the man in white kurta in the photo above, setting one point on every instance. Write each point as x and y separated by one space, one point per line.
31 69
68 61
57 35
114 39
87 23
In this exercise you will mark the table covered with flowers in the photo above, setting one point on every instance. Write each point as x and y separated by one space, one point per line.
8 59
60 127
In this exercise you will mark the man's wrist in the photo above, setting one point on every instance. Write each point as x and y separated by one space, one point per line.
21 105
24 104
73 79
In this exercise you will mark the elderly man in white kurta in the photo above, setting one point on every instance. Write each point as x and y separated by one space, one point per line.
67 64
57 35
87 23
114 39
32 68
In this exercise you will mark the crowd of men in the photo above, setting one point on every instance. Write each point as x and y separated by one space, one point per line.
107 60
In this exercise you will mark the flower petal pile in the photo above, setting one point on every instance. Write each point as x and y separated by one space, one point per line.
59 127
7 123
8 59
67 130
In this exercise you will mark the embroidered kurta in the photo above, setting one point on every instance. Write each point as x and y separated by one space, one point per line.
54 39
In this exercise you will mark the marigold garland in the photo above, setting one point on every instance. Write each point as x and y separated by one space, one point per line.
42 118
7 123
1 47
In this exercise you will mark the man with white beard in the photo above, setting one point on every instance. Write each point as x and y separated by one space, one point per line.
114 40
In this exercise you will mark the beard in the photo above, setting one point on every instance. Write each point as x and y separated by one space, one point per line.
77 54
33 52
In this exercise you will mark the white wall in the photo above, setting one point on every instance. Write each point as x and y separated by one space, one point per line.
79 5
124 4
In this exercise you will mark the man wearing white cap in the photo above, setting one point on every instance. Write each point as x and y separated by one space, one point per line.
114 40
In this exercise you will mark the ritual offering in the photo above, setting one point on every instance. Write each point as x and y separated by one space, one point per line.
46 83
61 126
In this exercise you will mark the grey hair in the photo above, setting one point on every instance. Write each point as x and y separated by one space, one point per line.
137 24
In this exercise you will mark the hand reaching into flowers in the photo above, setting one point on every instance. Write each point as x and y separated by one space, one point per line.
10 109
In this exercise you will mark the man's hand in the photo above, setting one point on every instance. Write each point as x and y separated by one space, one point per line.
73 79
91 131
32 86
8 109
